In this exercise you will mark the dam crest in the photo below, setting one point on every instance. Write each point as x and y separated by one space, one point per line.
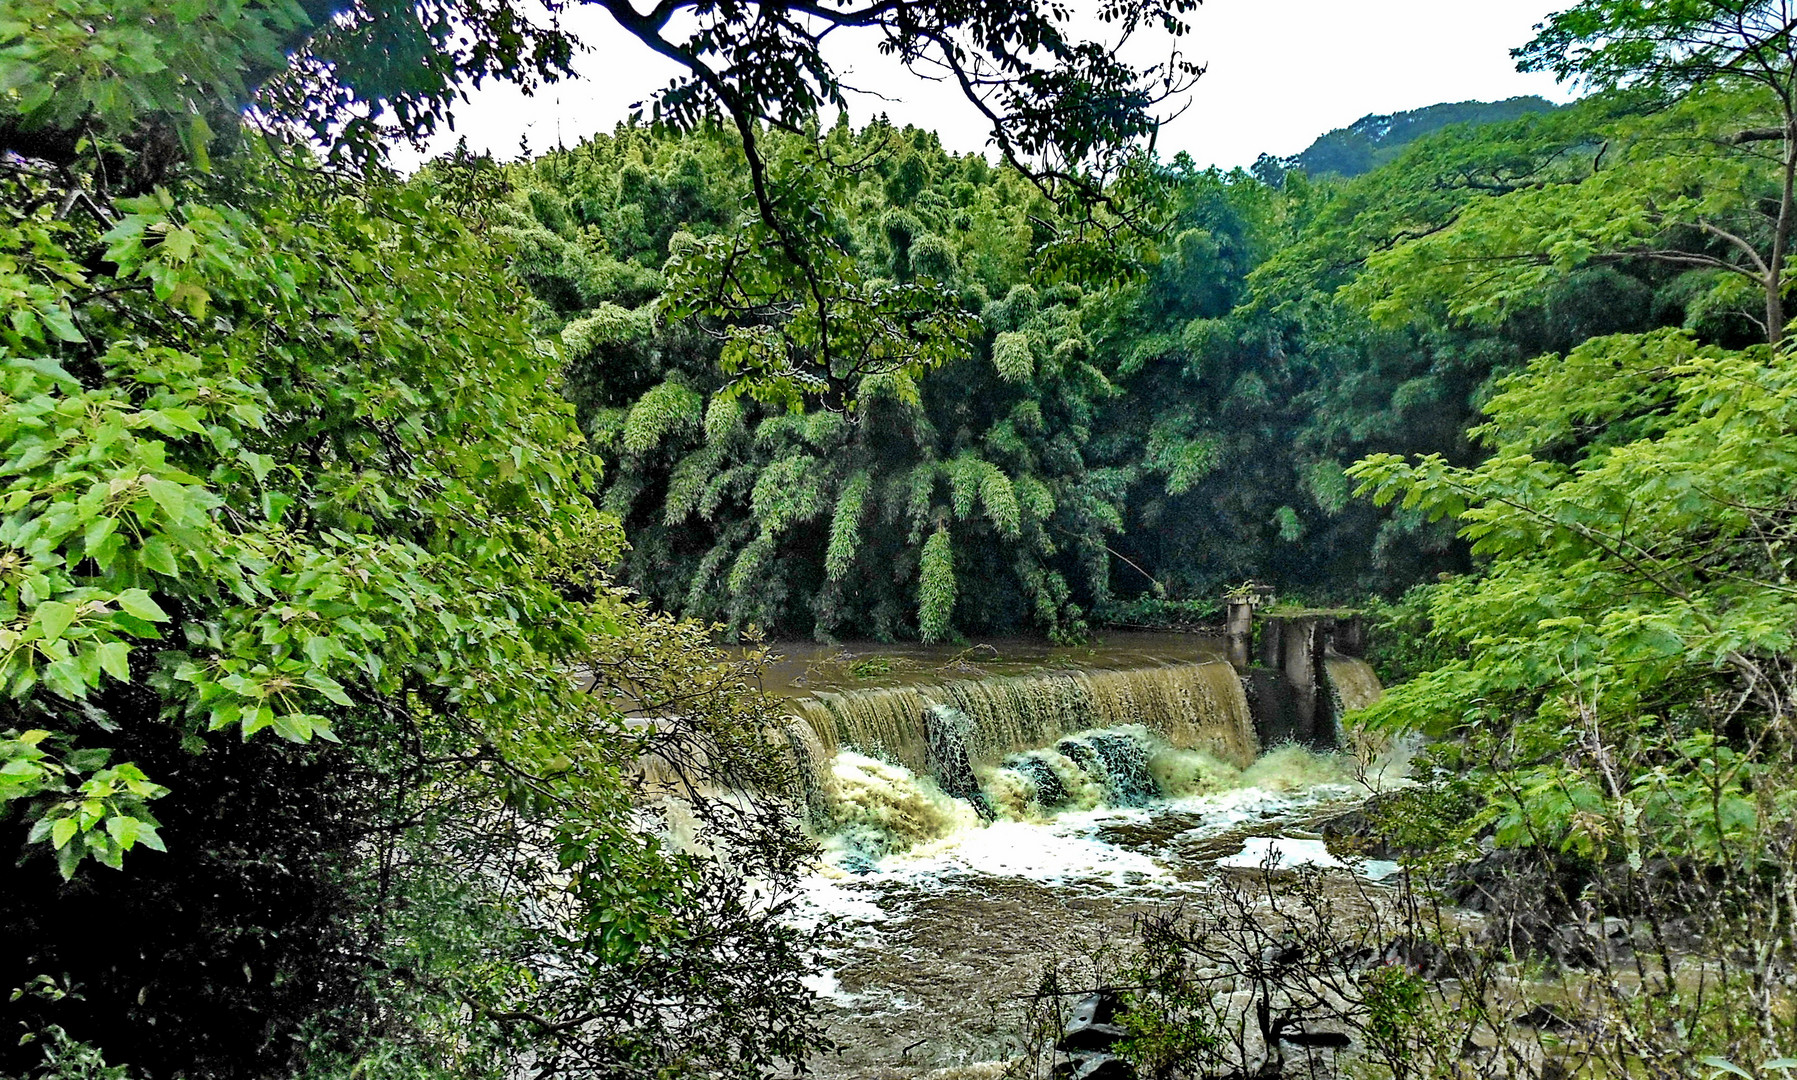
1159 716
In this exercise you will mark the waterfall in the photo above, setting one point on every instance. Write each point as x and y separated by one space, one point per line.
1196 706
886 767
1352 683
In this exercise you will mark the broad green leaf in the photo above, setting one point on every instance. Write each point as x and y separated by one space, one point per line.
171 497
62 831
139 603
115 660
54 617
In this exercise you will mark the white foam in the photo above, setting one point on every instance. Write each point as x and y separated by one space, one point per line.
828 893
825 984
1379 869
1289 852
1057 853
1282 853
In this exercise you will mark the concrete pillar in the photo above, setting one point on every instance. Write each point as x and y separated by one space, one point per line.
1303 655
1241 632
1349 637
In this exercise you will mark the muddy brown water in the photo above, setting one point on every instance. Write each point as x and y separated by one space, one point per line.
940 949
946 931
805 668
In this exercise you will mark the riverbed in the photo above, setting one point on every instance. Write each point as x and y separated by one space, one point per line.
942 944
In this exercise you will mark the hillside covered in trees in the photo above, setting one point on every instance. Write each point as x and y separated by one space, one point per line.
1375 140
1163 420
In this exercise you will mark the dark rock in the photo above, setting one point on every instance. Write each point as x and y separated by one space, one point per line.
1585 945
1325 1040
1429 959
1092 1025
946 729
1353 831
1543 1017
1045 784
1094 1067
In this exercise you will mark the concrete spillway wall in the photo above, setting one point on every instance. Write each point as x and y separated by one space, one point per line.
1305 671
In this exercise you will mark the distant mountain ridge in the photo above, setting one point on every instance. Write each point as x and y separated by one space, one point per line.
1373 140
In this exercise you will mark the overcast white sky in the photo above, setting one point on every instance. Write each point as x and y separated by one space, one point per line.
1281 72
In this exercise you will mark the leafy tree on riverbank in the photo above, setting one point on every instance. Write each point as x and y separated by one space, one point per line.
1618 673
314 755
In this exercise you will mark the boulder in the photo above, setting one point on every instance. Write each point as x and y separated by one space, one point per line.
1543 1017
1093 1024
1094 1067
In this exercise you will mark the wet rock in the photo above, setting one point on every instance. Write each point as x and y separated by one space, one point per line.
1354 832
1586 944
946 729
1543 1017
1281 954
1126 769
1094 1066
1092 1026
1427 958
1049 792
1317 1040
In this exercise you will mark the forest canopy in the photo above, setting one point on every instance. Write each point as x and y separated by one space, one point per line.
1087 430
384 559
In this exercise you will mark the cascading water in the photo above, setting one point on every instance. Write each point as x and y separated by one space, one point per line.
888 767
1352 682
1198 706
975 829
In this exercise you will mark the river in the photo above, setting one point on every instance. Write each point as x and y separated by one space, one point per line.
1098 784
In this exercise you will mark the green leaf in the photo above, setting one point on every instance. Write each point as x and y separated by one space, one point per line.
138 602
124 830
54 617
115 660
97 532
62 831
159 555
171 497
274 505
294 728
92 760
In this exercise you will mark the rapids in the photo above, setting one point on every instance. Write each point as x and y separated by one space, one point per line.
982 819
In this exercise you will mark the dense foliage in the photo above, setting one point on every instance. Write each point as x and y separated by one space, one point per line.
1041 425
327 745
1613 684
287 469
330 744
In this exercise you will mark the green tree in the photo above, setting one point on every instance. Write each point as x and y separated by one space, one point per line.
313 750
1620 672
743 510
1693 187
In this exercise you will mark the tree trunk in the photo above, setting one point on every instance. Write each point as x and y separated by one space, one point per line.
1781 238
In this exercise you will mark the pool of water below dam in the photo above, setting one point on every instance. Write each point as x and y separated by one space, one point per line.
981 826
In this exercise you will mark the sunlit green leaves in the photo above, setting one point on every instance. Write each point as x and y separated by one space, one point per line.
1669 189
1630 518
936 595
157 533
852 423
